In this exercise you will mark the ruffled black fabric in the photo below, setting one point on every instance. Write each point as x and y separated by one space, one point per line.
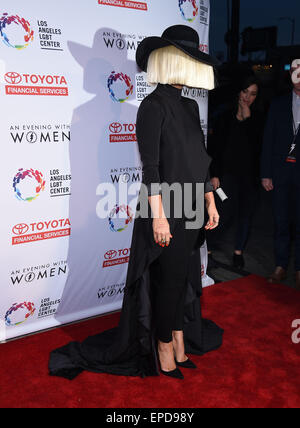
130 348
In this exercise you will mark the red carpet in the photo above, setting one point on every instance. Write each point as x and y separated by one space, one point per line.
258 365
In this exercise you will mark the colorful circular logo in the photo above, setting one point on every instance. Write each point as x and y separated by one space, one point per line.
189 9
13 35
23 187
120 87
25 310
112 217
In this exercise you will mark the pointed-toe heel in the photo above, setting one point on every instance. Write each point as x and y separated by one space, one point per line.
175 374
188 364
238 261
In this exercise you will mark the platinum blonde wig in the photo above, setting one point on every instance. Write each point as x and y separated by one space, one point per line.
172 66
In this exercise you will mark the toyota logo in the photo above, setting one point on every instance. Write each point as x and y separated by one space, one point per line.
110 255
20 229
115 128
13 78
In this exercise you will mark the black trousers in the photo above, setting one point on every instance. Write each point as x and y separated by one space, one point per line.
240 207
169 278
286 208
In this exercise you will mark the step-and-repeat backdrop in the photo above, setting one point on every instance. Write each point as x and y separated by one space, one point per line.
69 93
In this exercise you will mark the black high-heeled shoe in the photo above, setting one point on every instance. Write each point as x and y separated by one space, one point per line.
238 261
188 364
175 374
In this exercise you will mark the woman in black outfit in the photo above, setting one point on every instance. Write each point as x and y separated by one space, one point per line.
161 315
235 147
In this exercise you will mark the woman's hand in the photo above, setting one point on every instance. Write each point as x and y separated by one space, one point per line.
267 184
244 110
213 214
215 182
161 231
214 218
161 226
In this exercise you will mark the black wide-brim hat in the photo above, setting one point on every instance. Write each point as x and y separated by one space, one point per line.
182 37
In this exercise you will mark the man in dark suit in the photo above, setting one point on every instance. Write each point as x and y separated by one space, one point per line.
280 172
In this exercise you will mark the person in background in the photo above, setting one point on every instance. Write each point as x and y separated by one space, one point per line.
280 174
235 146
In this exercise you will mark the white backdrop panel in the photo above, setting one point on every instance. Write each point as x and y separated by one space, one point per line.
69 91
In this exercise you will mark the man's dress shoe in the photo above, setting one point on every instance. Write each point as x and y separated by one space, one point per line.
277 276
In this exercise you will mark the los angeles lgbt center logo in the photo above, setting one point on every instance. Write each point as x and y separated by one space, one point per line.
15 31
28 184
19 313
189 9
120 87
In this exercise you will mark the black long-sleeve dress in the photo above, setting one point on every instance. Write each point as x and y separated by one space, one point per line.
171 144
235 146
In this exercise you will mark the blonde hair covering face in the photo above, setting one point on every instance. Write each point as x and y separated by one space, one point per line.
172 66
